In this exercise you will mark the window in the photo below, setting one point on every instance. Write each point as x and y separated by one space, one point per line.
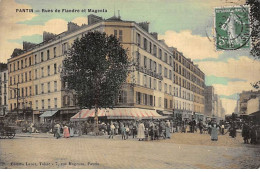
55 102
14 66
154 84
42 88
30 75
145 61
35 73
10 80
150 100
30 90
36 104
165 72
22 92
55 85
155 50
42 72
171 104
138 78
160 53
155 67
115 33
64 48
138 97
165 103
160 101
145 99
145 81
42 104
49 103
150 47
25 61
48 54
22 77
55 68
54 51
138 39
165 58
122 97
160 85
10 67
42 57
150 64
150 82
170 74
120 36
48 70
35 59
30 61
49 87
36 89
26 91
170 89
26 77
160 69
145 44
165 88
18 65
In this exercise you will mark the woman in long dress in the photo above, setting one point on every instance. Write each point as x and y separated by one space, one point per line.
214 132
140 131
66 132
168 129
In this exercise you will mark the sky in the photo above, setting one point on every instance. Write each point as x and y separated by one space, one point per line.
187 25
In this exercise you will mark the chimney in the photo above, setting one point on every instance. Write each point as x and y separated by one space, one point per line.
144 25
72 26
28 45
154 34
48 36
93 19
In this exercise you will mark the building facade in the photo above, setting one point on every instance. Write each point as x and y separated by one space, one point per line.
35 75
189 82
244 97
3 90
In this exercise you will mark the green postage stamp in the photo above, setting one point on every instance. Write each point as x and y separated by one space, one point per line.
232 27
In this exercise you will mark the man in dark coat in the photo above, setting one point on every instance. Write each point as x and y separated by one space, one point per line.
245 133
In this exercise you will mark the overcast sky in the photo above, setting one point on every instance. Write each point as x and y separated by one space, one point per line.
183 24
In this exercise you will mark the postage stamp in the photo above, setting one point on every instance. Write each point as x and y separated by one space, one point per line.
232 28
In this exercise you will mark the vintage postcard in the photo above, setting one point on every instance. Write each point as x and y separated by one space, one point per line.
129 84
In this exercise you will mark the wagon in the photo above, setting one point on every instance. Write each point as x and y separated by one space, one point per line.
7 132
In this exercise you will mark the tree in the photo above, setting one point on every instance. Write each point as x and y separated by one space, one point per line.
96 66
255 31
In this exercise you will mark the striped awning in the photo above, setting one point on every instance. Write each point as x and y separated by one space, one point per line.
118 113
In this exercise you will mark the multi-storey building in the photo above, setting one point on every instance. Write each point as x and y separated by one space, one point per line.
35 71
189 83
244 97
3 90
209 101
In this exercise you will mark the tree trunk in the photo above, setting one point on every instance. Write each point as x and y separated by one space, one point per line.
96 120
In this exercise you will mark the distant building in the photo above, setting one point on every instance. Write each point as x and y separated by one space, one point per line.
253 105
244 97
3 90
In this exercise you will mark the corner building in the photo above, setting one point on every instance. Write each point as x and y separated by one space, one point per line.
150 85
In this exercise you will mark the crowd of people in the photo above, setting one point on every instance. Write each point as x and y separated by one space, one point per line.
249 132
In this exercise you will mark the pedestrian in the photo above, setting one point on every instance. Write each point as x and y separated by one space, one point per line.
246 133
112 130
57 134
146 133
134 130
222 129
127 130
167 129
201 127
66 132
140 131
123 132
253 135
214 132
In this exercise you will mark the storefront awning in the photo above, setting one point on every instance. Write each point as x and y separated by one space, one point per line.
48 113
118 113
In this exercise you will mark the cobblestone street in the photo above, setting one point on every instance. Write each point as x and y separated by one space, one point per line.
189 150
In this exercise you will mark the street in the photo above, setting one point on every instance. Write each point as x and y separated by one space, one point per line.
183 150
